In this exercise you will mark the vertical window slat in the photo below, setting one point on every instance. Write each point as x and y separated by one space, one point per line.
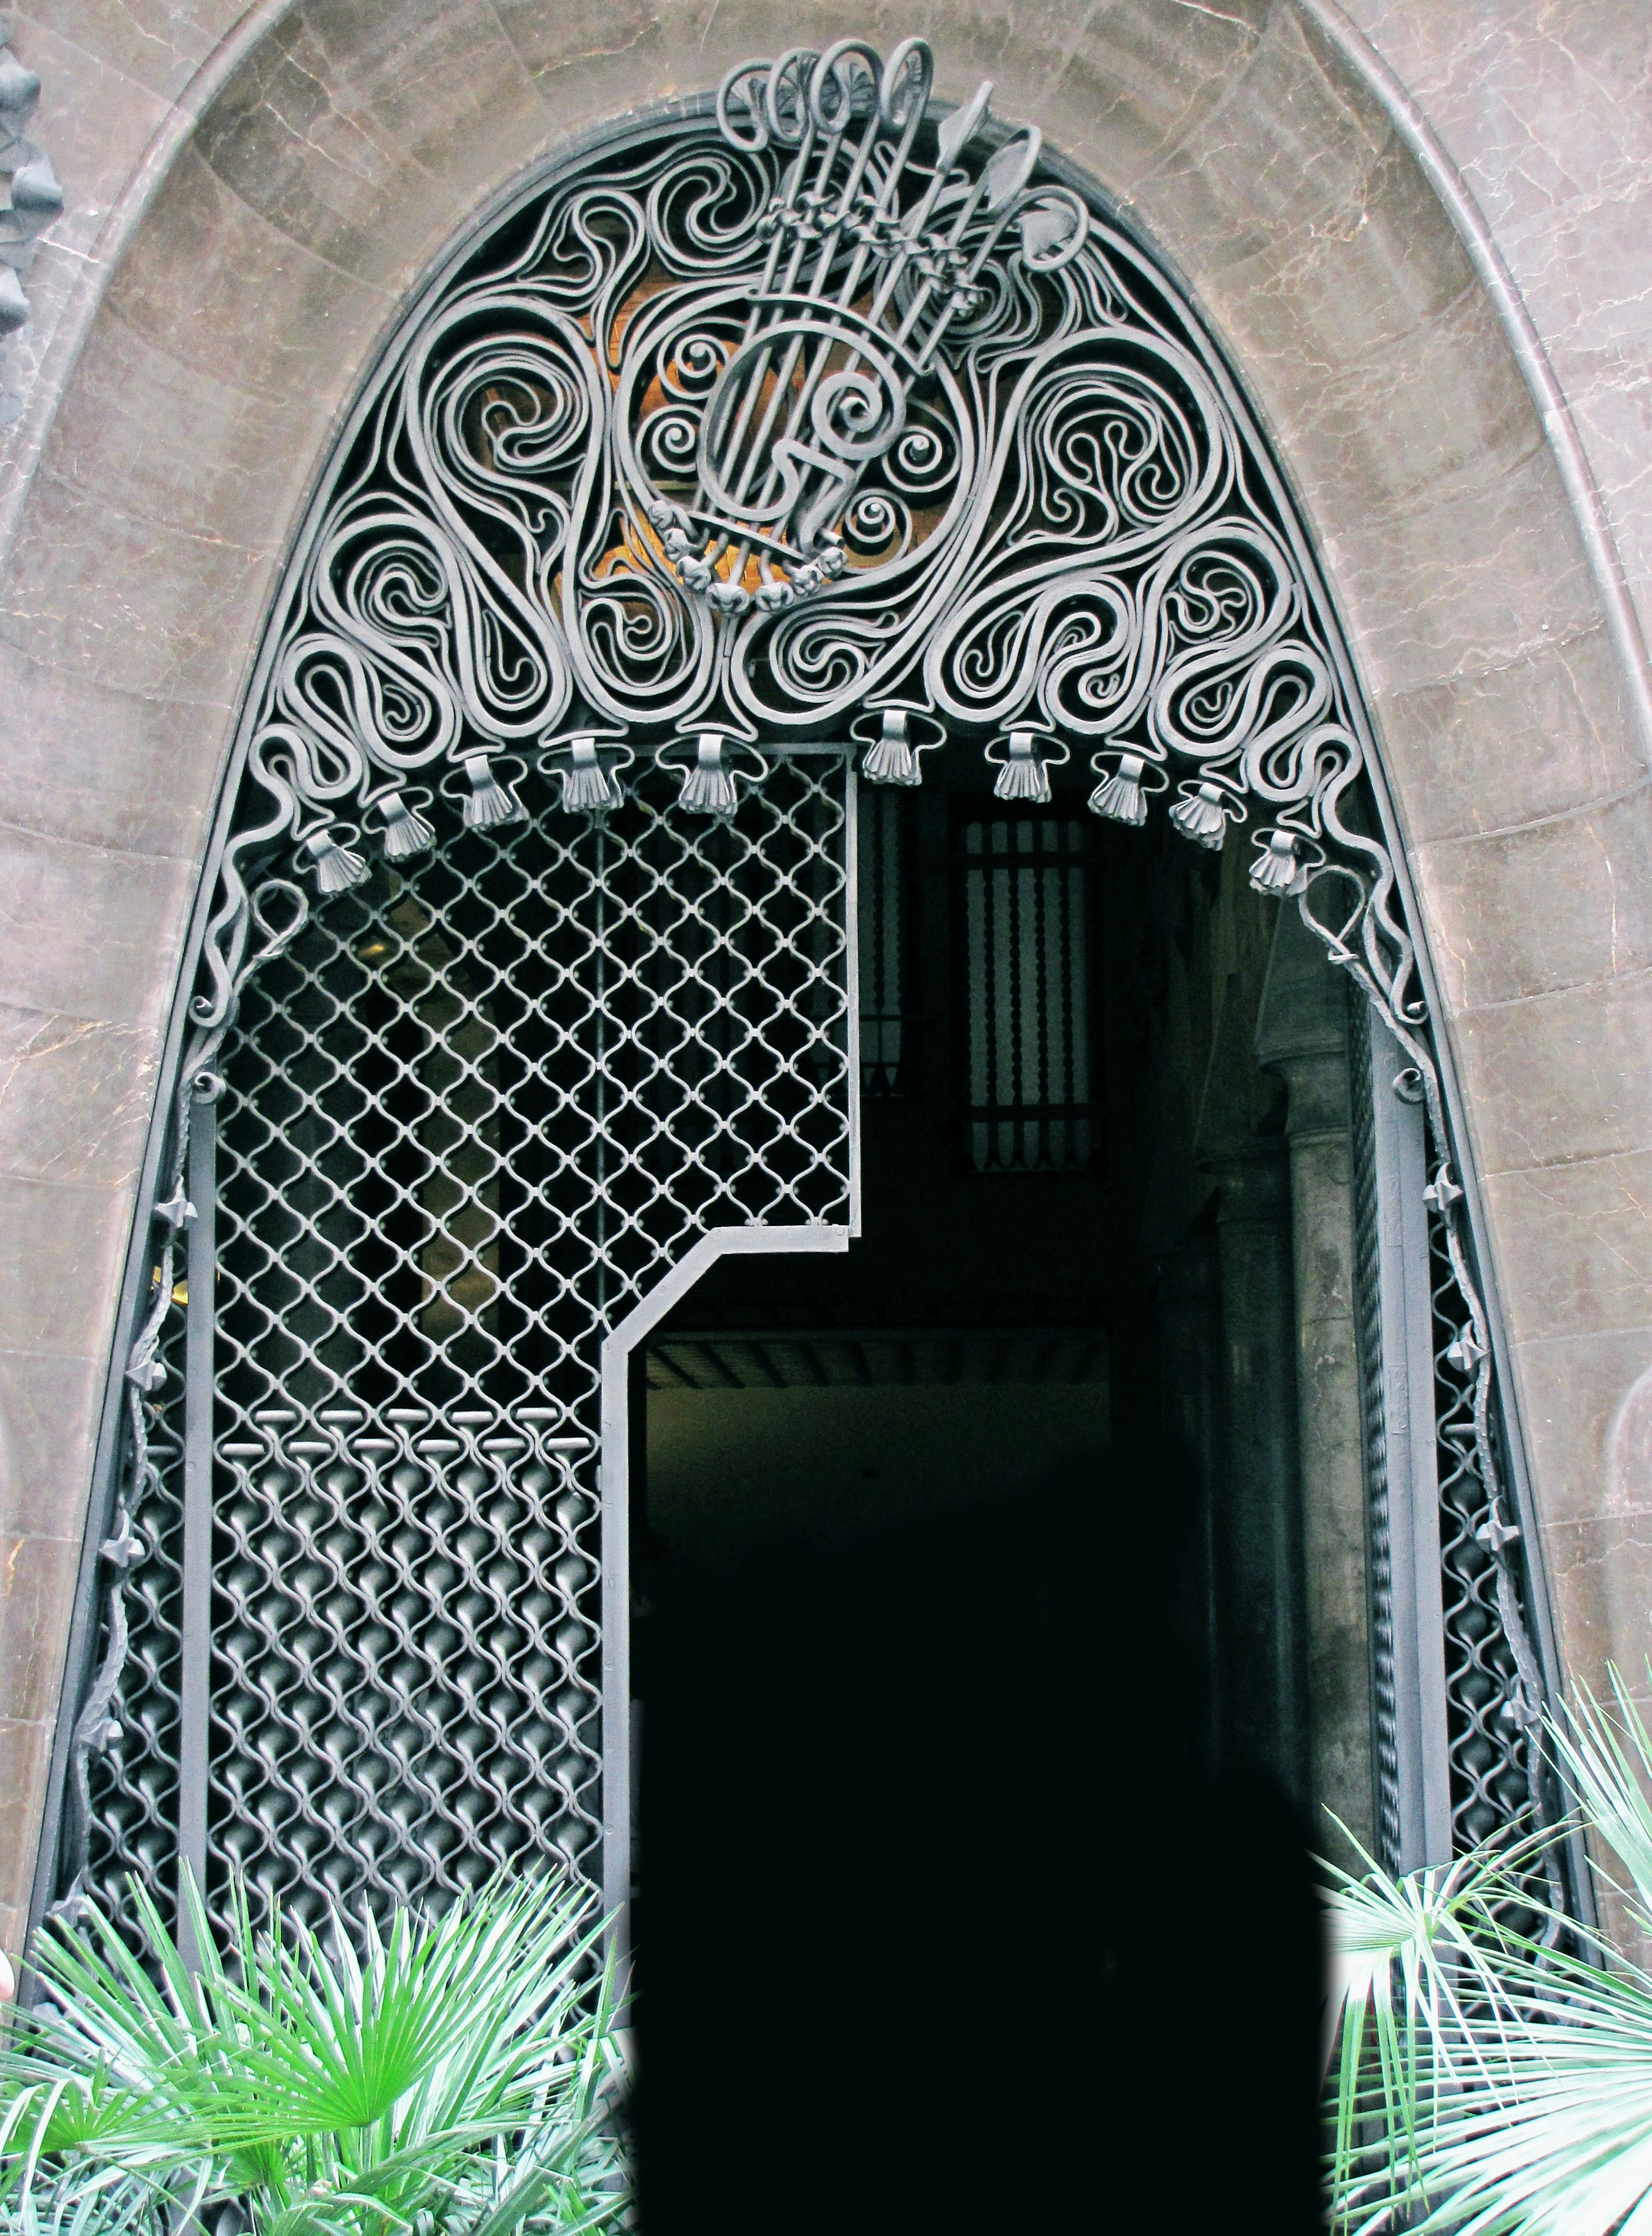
1027 1007
883 944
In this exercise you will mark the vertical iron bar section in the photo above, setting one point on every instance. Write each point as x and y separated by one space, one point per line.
1400 1160
195 1683
1074 1088
854 992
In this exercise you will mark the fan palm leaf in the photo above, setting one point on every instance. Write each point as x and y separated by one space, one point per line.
454 2072
1487 2083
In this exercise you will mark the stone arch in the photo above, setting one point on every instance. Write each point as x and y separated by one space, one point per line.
322 175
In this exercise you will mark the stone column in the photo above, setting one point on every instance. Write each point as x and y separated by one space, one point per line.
1302 1036
1259 1537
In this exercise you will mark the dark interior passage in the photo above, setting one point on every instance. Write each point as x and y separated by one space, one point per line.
943 1590
935 1878
983 1325
822 1437
1076 1231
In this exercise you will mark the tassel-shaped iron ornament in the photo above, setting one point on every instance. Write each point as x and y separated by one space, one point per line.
586 763
36 197
1202 817
896 739
889 758
587 788
1120 797
405 831
337 868
1276 869
708 785
1024 772
489 801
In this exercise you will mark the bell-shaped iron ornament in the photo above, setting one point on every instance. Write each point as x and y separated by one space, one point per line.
897 737
19 92
1201 815
337 866
14 304
708 787
489 801
586 764
1024 759
1120 797
36 197
711 781
404 831
587 785
1277 868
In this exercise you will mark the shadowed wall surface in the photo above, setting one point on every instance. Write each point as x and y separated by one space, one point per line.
251 195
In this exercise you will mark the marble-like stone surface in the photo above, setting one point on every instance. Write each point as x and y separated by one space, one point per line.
1500 936
251 192
1545 106
1587 1413
1557 714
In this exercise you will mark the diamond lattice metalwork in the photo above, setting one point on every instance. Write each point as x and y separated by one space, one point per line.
1380 1549
469 1115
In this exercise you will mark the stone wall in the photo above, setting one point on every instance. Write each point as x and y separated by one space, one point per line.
252 191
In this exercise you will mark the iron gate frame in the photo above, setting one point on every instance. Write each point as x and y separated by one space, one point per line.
575 156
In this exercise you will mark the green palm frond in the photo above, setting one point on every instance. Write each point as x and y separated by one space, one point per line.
1485 2084
453 2072
1413 1957
1608 1759
102 2202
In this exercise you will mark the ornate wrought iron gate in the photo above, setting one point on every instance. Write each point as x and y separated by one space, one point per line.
469 1114
523 975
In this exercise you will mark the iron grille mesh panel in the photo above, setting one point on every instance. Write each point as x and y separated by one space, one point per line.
132 1785
1490 1783
1378 1534
1025 911
481 1105
476 573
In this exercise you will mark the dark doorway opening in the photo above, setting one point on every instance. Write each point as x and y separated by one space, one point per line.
1076 1235
956 1554
984 1324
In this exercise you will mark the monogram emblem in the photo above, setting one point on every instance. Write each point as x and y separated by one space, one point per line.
769 429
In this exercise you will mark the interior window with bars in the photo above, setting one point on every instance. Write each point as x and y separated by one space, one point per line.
1025 924
881 821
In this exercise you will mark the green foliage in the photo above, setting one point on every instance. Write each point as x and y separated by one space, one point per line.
1484 2083
456 2078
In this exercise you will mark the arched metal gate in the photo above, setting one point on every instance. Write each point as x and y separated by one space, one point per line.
739 449
476 1110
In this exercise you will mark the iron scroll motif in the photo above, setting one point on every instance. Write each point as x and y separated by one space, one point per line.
819 366
827 418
